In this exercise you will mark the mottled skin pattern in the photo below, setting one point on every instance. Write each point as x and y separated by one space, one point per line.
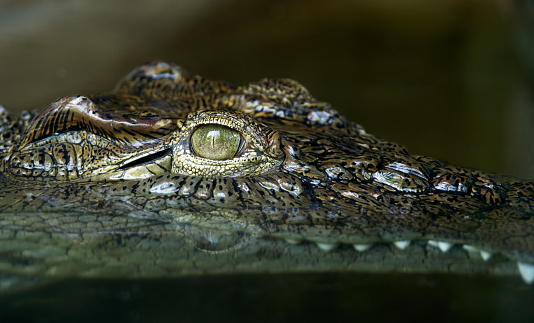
302 172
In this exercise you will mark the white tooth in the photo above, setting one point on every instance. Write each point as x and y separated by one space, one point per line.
526 271
292 241
326 246
444 246
474 252
402 244
361 246
485 255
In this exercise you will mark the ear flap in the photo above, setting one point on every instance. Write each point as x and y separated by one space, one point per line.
169 87
154 70
80 113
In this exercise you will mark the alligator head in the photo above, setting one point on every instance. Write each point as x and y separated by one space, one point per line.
249 170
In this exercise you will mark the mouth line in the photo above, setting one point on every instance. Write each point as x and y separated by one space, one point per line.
146 159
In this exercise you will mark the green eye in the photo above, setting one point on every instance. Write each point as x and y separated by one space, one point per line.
214 141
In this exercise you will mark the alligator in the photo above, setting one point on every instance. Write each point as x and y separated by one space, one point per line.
173 174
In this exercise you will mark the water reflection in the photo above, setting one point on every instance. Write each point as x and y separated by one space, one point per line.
111 255
214 240
53 245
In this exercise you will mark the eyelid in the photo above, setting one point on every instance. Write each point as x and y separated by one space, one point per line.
241 148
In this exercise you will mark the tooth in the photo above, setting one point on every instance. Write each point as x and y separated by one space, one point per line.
442 245
402 244
361 246
292 241
326 246
526 271
485 255
473 252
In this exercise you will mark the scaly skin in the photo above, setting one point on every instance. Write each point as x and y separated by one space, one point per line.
120 176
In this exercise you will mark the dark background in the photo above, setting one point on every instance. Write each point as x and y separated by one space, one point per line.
452 79
448 79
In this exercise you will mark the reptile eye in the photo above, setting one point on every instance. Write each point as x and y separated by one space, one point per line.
214 141
220 143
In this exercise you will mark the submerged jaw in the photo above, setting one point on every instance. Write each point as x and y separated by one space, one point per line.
456 252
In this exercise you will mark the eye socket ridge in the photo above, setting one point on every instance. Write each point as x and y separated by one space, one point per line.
216 142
